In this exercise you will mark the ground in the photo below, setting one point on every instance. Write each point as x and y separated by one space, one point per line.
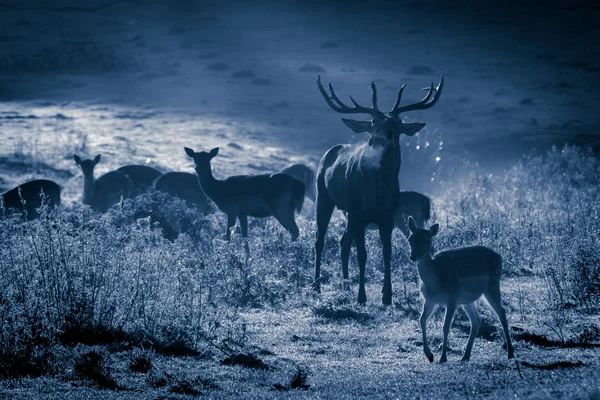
138 80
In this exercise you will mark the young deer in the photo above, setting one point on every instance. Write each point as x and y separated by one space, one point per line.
453 278
277 195
185 186
303 174
106 191
363 180
141 176
31 194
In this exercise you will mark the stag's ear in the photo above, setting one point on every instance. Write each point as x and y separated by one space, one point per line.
77 159
411 224
358 126
214 152
412 128
189 152
435 228
97 159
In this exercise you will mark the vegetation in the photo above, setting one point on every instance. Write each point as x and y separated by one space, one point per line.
155 278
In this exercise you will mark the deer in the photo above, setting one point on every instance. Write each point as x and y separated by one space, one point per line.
304 174
141 176
457 277
278 195
362 180
102 193
185 186
27 197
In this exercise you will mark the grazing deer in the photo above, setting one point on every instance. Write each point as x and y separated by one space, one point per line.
142 177
185 186
453 278
106 191
29 194
363 180
277 195
303 174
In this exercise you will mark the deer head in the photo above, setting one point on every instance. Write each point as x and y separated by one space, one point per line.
384 127
420 239
87 166
202 158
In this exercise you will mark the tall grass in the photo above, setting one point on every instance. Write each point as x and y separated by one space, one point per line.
153 268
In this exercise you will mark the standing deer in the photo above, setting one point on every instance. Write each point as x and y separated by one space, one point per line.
303 174
185 186
29 194
106 191
277 195
453 278
363 180
141 176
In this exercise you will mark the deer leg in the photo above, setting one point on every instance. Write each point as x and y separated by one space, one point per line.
286 218
428 308
450 309
475 324
494 299
345 245
230 224
358 231
386 227
325 206
244 225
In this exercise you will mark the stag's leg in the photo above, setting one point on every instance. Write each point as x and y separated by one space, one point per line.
358 231
230 224
428 308
475 324
386 227
494 299
450 310
345 245
325 206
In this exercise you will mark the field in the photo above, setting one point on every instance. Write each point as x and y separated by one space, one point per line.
148 301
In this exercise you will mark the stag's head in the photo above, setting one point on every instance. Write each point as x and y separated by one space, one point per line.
87 166
384 128
202 158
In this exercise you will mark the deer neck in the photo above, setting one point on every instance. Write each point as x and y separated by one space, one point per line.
210 186
88 189
427 270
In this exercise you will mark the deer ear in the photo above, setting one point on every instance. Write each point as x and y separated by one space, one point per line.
412 128
435 228
97 159
77 159
411 224
358 126
214 152
189 152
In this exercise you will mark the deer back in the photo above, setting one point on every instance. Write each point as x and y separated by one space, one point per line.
142 177
30 191
109 188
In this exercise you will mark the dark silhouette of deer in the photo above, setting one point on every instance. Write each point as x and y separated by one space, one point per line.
31 197
142 177
304 174
363 180
453 278
106 191
278 195
185 186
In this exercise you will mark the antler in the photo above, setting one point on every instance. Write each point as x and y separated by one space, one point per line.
421 105
336 104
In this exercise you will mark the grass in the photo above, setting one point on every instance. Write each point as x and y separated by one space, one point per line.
147 296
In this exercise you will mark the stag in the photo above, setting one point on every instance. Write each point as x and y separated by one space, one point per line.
363 180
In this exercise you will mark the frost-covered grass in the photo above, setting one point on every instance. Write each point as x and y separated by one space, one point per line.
85 296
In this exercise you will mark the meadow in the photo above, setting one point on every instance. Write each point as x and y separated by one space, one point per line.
148 300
